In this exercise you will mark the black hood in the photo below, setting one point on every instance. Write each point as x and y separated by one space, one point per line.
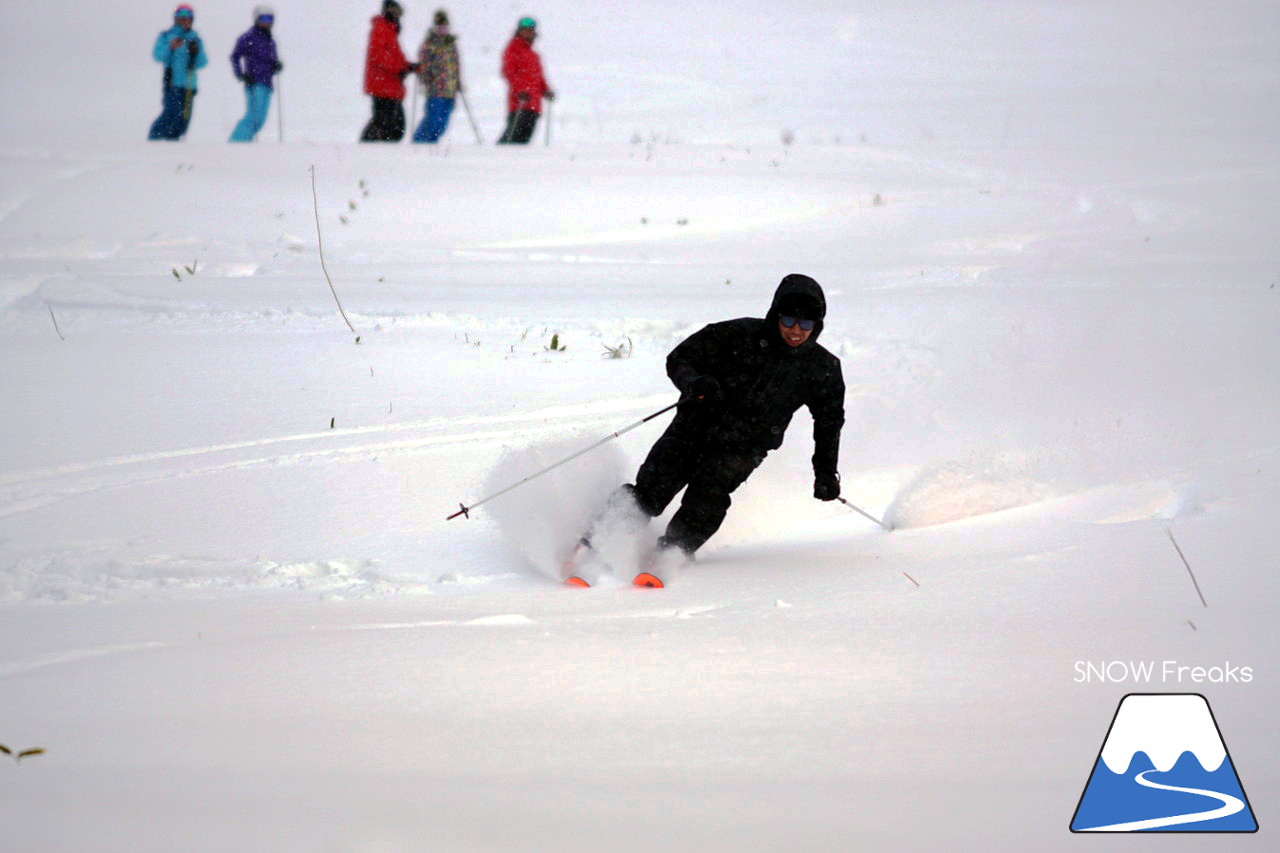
802 297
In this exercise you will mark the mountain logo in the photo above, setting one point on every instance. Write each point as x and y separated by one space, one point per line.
1164 767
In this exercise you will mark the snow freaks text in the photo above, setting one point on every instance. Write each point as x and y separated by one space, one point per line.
1165 672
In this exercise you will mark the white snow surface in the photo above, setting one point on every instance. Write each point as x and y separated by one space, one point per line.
234 616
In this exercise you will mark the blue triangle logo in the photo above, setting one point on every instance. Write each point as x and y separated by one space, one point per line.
1164 767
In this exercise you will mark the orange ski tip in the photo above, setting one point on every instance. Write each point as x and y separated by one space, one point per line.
648 581
576 581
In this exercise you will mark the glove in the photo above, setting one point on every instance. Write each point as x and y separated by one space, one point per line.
549 95
522 97
705 388
826 487
243 79
278 67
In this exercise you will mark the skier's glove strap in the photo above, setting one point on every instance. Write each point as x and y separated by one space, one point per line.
826 487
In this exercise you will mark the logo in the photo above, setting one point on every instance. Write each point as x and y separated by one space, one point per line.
1164 767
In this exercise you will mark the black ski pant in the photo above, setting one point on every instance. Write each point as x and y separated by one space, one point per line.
176 117
520 125
708 471
387 124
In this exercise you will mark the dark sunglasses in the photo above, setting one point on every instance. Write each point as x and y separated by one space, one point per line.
806 325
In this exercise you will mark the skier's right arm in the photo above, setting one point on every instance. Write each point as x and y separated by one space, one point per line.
235 59
161 52
693 358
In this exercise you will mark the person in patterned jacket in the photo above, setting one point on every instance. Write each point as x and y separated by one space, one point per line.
441 75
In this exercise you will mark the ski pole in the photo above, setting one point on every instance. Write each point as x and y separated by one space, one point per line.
548 143
466 510
413 106
467 109
279 108
866 515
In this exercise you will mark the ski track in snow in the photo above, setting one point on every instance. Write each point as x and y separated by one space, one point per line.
36 488
74 656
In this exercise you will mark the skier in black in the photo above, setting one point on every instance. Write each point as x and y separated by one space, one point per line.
740 382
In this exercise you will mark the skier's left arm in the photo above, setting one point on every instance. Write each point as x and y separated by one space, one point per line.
202 58
543 86
827 408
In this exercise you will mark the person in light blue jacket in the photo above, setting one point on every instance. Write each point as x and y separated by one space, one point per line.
181 52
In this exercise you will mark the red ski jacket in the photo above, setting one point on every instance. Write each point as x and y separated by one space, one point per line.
523 69
384 63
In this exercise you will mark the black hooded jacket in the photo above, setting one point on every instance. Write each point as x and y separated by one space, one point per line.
763 380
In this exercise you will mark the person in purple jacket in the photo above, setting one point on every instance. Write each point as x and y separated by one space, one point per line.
255 63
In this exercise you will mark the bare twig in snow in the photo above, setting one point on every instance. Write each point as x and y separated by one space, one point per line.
315 206
1188 565
55 320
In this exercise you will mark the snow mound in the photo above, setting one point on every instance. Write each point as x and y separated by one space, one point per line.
960 489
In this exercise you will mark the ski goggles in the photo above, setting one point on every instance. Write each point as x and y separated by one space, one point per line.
184 12
266 19
806 325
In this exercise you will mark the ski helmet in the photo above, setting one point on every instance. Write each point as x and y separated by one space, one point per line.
184 11
263 11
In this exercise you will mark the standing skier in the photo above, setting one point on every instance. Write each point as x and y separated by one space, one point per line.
181 52
526 85
441 75
384 71
740 383
260 65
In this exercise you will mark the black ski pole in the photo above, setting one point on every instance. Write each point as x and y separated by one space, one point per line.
466 510
866 515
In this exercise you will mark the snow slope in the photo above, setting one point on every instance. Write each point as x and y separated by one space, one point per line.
232 611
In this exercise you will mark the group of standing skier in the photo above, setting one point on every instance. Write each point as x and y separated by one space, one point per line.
439 69
255 62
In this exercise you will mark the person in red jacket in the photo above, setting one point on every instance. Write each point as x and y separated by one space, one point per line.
384 71
526 86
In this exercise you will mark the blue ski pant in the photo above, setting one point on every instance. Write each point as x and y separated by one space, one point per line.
176 117
257 98
436 121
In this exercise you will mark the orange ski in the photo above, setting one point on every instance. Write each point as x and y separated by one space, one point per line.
570 565
648 581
